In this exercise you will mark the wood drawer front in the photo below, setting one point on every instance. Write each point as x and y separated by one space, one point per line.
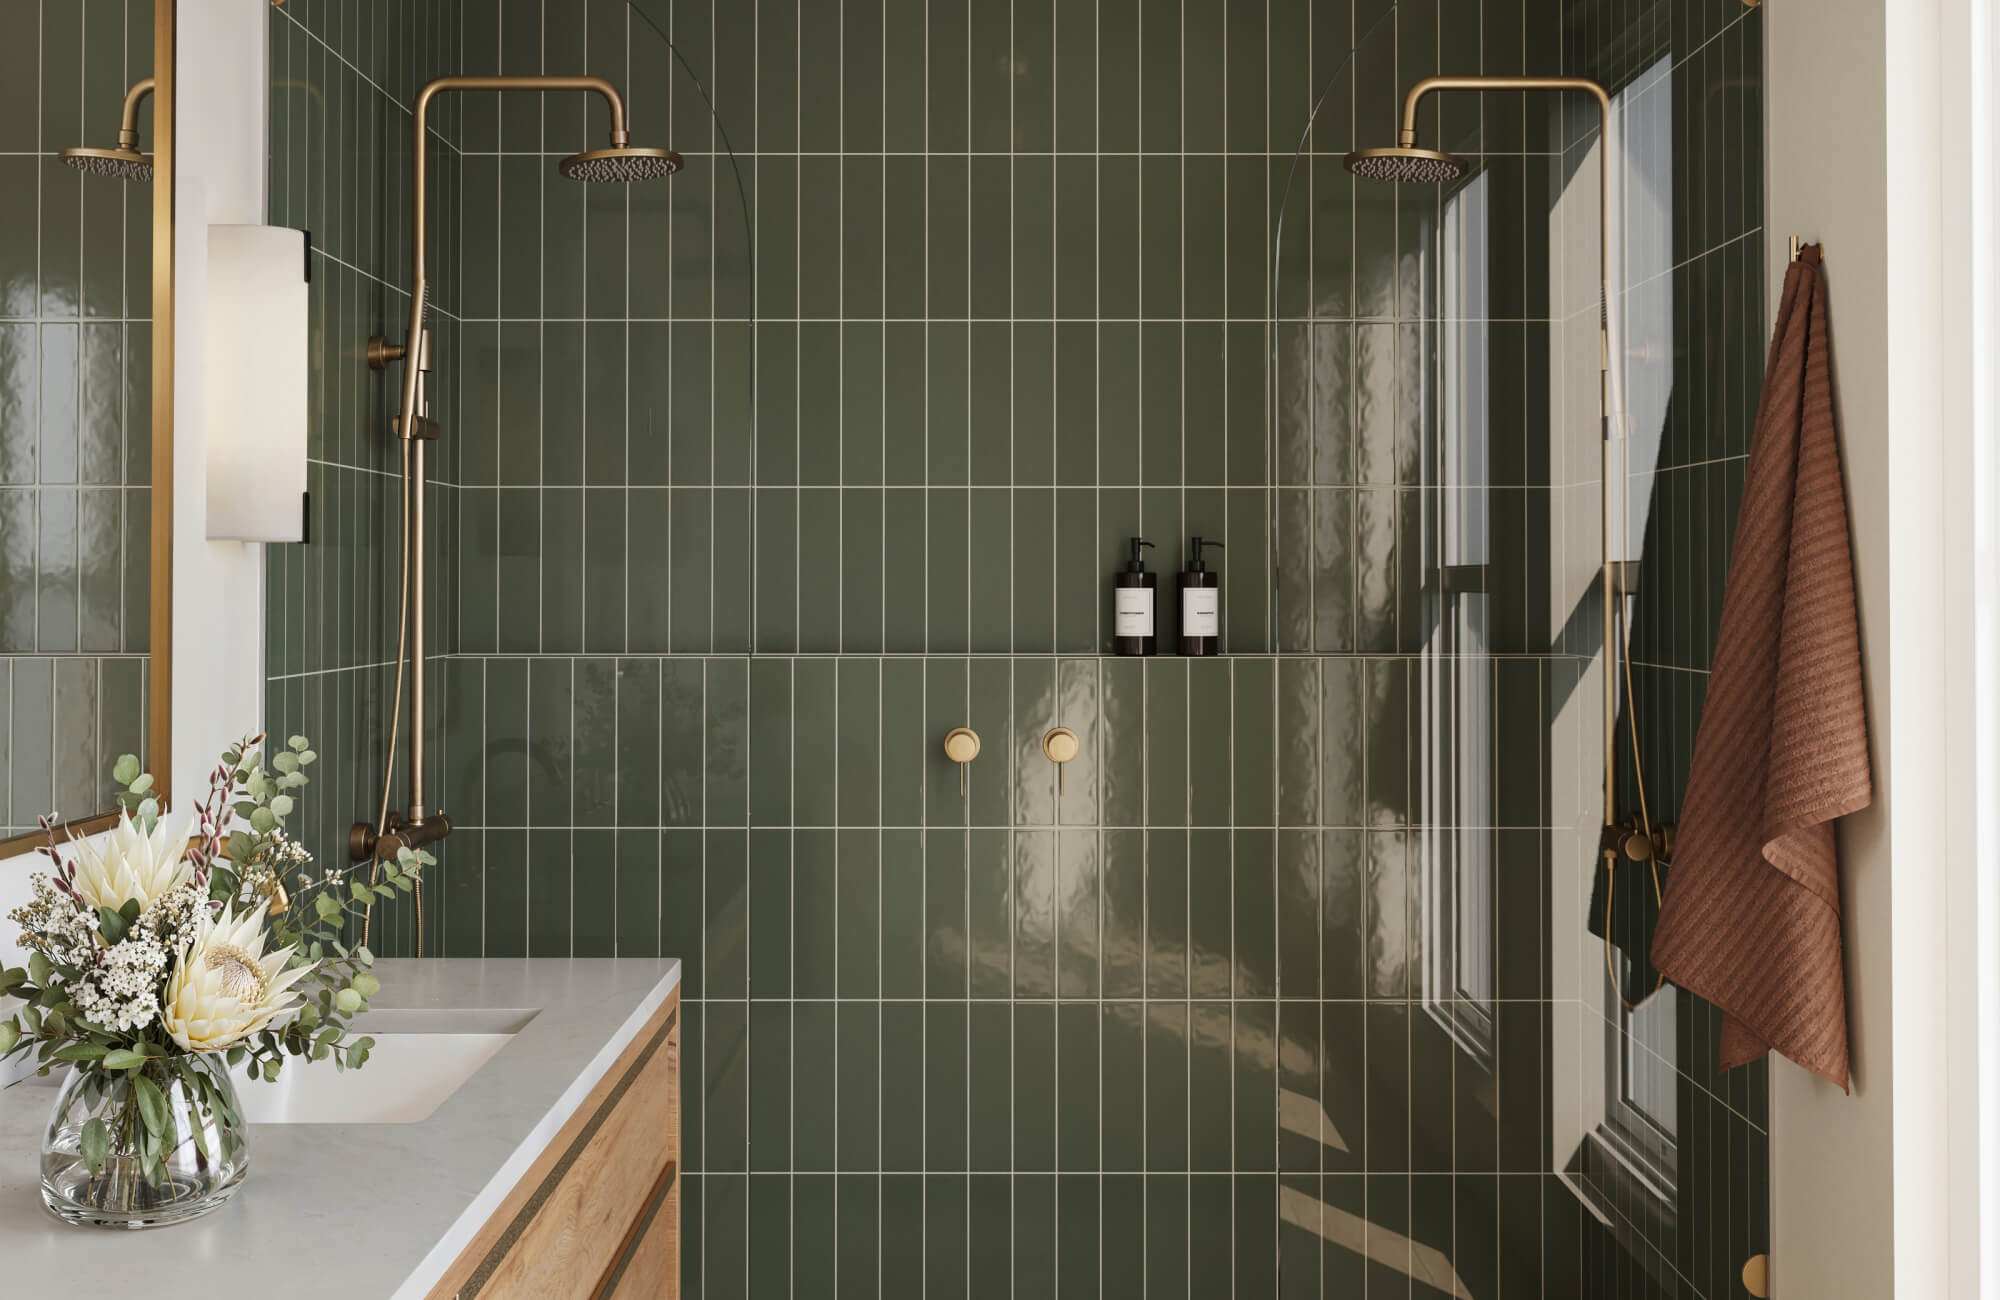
598 1196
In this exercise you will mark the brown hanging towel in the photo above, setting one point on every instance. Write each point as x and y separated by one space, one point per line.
1751 915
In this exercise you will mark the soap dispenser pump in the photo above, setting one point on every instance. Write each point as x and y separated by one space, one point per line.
1201 602
1133 604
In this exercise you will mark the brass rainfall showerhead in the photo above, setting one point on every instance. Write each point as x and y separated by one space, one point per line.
125 162
1407 164
621 164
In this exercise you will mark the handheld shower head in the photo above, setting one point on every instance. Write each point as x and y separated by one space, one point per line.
1406 164
620 165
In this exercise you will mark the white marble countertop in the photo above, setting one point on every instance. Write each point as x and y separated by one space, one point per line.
403 1199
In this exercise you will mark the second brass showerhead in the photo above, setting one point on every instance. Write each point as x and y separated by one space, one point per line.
621 164
122 163
125 162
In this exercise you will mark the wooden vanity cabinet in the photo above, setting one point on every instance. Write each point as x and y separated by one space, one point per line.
598 1215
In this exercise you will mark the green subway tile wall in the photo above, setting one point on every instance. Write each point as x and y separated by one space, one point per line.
75 410
342 77
733 526
1690 84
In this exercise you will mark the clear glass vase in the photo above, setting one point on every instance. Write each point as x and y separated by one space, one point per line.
146 1179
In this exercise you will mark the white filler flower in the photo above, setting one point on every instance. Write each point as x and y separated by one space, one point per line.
126 863
224 988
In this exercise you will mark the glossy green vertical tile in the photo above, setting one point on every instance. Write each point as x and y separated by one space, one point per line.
562 570
815 915
605 575
1078 915
947 546
946 972
1209 699
989 906
988 712
1035 877
859 1119
821 610
858 915
1210 956
1121 756
815 1040
551 891
905 743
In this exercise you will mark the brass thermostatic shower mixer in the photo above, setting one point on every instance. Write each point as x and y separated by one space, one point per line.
1408 162
620 162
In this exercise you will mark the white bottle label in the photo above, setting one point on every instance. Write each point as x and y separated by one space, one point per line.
1198 610
1134 606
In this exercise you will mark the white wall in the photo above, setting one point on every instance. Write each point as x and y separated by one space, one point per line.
218 649
1859 1204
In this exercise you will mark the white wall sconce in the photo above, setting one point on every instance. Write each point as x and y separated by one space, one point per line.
256 383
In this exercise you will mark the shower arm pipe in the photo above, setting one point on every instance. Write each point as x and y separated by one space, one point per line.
414 832
1407 138
128 121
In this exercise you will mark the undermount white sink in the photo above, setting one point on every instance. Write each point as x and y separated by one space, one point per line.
420 1058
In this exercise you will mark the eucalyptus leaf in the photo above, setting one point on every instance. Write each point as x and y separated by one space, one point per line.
80 1052
366 985
123 1058
281 805
327 907
200 1141
96 1140
111 925
10 1034
263 821
152 1105
348 1001
142 784
126 769
39 969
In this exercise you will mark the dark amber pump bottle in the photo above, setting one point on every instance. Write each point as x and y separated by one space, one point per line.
1201 602
1135 605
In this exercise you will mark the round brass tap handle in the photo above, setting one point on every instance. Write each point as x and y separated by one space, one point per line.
1061 745
961 746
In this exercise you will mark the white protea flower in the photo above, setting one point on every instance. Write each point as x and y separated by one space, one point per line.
225 988
126 863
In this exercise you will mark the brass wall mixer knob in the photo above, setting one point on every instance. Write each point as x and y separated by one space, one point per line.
1061 745
961 746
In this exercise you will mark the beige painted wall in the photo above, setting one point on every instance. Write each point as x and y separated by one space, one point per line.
1858 1181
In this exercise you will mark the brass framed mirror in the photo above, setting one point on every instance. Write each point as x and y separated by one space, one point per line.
86 414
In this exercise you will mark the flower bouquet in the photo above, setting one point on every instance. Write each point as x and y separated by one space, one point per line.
167 954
